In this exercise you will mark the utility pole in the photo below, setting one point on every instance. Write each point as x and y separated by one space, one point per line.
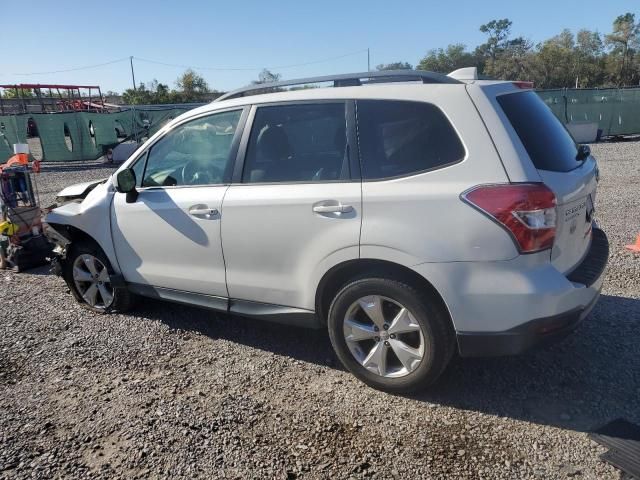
133 110
368 61
133 76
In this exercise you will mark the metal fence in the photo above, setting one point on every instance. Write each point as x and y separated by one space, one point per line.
70 136
615 110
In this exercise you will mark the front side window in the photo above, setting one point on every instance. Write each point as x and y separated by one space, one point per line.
297 143
399 138
138 168
194 153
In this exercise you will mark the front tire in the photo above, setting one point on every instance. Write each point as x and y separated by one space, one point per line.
88 274
390 335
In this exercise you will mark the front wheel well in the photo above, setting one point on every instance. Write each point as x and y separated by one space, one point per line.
73 234
70 232
341 274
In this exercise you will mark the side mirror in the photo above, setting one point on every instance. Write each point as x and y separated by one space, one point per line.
126 183
583 152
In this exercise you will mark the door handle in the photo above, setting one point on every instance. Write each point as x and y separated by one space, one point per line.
339 208
198 211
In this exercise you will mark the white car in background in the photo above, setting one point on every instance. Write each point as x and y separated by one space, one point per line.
411 214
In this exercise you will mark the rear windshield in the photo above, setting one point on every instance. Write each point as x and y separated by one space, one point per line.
548 143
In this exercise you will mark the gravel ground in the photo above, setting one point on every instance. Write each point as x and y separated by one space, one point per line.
175 392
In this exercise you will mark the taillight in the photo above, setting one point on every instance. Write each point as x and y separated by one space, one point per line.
526 210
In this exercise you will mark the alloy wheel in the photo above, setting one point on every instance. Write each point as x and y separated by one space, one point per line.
383 336
92 281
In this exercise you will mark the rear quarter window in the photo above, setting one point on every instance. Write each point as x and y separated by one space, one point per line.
399 138
544 137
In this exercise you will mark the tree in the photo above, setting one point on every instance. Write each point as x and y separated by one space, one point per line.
18 93
138 96
498 32
191 86
623 41
589 57
445 61
266 76
554 62
514 61
161 93
151 94
395 66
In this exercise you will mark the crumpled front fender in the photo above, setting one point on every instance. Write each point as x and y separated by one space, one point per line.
92 216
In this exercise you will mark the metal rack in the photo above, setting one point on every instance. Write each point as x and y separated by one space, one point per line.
49 98
345 80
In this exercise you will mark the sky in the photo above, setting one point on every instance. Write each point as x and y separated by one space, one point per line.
228 43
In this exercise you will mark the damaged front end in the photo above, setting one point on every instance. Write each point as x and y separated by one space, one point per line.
76 192
84 217
59 236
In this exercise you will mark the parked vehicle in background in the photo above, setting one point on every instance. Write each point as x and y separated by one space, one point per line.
411 214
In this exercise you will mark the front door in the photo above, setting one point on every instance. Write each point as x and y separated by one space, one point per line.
297 208
170 236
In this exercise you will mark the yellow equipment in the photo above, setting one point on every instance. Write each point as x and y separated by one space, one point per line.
7 228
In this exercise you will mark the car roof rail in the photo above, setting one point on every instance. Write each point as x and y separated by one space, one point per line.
346 80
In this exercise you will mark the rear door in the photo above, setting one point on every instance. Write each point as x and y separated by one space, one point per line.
295 207
553 153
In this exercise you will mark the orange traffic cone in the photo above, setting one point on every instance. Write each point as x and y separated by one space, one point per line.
636 246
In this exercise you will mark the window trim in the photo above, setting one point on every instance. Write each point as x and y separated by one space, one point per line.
144 155
354 173
417 172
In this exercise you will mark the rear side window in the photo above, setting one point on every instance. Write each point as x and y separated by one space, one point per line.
548 143
403 138
297 143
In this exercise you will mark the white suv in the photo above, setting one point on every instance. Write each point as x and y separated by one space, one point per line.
412 214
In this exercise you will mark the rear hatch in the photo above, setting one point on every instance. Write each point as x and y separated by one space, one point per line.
554 154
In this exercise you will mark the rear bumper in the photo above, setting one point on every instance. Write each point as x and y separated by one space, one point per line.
543 331
536 333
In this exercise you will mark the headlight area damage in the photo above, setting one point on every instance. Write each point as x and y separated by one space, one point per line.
76 192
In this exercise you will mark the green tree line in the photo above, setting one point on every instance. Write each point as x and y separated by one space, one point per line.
585 59
190 87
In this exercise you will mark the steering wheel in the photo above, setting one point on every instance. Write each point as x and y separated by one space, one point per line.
194 173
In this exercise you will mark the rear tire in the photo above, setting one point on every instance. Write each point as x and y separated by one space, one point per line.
88 274
390 335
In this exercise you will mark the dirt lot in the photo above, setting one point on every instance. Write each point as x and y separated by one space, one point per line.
177 392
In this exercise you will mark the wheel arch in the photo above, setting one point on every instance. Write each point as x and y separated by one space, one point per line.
336 277
74 235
